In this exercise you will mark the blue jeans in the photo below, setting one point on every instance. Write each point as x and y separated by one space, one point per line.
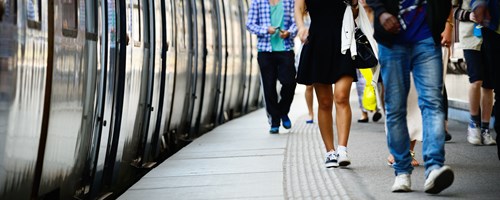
424 60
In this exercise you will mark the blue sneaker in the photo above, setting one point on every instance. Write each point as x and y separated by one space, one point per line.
274 130
286 122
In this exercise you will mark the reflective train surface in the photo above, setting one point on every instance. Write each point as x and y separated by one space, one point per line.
93 93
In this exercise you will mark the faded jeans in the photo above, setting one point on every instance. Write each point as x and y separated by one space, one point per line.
424 60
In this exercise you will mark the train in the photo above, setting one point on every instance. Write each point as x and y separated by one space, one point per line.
93 94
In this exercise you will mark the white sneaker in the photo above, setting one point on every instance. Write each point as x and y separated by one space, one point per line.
343 159
331 160
402 183
438 180
474 135
487 138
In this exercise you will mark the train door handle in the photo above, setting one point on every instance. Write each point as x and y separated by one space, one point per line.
104 123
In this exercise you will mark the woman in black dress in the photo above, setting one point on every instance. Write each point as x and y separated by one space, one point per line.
321 65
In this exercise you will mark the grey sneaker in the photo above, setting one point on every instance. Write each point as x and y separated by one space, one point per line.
438 180
343 159
487 138
331 160
402 183
474 135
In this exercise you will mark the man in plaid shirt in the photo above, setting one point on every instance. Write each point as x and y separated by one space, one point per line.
273 23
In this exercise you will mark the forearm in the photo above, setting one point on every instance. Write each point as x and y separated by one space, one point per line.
300 9
461 14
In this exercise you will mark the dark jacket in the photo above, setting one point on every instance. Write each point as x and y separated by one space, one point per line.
437 13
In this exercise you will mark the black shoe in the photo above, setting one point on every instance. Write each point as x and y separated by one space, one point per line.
363 120
447 136
377 116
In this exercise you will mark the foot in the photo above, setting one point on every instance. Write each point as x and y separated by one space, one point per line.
343 159
402 183
310 121
474 134
414 162
365 120
377 116
438 180
487 138
274 130
287 124
331 159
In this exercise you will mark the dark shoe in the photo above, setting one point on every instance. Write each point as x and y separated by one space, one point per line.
286 122
274 130
447 136
310 121
438 180
377 116
363 120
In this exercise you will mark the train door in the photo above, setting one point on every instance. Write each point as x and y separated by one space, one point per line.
247 56
211 74
150 139
178 123
131 94
25 74
169 55
238 69
255 98
67 143
225 60
198 66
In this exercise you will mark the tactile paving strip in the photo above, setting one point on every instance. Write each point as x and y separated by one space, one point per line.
306 176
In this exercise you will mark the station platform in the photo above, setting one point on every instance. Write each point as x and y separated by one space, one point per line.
241 160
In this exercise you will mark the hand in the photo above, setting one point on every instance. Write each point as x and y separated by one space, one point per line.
303 33
284 34
472 17
271 30
479 14
390 23
446 35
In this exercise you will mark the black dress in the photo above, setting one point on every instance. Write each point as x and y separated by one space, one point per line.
321 60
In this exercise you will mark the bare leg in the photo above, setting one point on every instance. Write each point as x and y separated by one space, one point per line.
324 94
343 108
486 104
309 101
474 97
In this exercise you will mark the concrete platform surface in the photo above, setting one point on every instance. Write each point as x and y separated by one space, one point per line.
241 160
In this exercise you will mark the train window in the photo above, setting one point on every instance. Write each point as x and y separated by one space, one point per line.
136 19
33 14
69 18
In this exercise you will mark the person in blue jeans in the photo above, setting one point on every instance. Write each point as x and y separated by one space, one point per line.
273 23
409 37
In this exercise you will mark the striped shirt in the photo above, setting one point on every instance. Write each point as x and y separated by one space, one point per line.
259 19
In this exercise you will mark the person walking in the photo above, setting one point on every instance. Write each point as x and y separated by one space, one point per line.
273 23
409 36
480 76
321 65
487 14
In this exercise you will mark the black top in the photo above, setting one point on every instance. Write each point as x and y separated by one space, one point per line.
321 60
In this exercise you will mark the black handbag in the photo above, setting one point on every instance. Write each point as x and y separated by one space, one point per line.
365 57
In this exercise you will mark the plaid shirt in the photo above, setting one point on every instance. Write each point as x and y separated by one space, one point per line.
259 19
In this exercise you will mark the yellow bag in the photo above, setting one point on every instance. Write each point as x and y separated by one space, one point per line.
369 99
